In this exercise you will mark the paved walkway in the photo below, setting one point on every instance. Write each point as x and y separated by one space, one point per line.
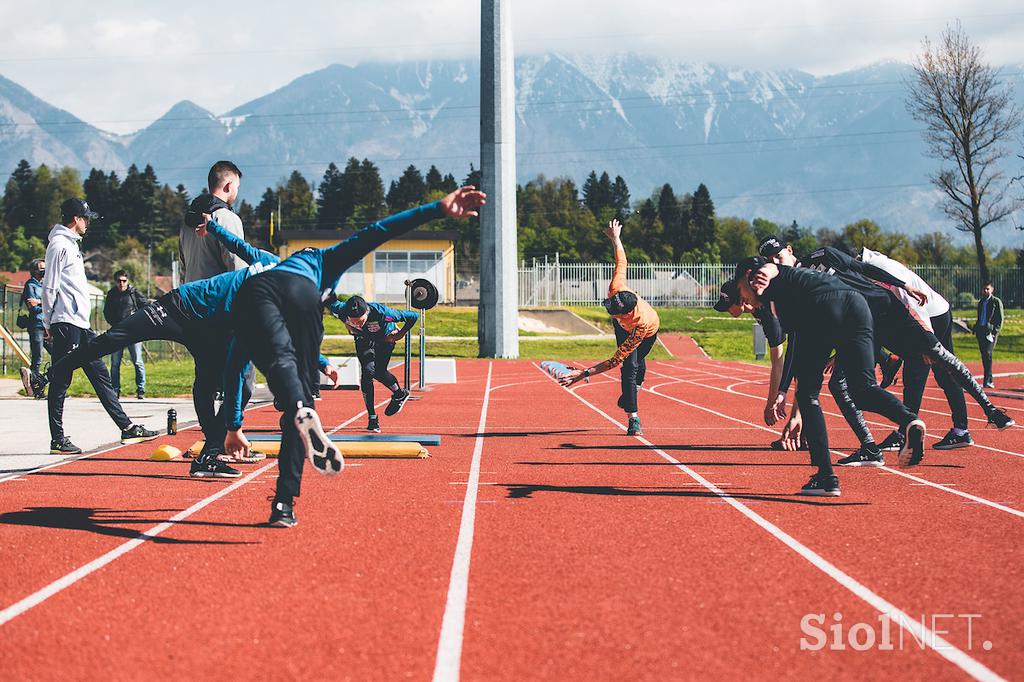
25 439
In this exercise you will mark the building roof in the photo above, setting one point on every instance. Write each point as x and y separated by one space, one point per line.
339 235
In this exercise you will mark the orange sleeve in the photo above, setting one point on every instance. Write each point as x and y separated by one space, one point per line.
618 282
635 338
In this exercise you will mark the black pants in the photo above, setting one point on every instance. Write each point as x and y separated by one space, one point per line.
633 370
840 390
897 330
842 321
986 347
164 319
279 325
915 375
374 357
66 340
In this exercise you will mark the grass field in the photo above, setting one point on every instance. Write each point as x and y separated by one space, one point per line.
721 336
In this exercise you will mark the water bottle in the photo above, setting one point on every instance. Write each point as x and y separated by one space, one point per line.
172 422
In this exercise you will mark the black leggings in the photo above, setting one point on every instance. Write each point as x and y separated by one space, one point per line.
279 323
374 356
915 375
633 370
842 321
68 340
898 331
163 319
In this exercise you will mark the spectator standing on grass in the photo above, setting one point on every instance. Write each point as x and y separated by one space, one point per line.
986 328
32 299
122 301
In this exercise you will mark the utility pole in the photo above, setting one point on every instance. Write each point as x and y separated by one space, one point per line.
498 324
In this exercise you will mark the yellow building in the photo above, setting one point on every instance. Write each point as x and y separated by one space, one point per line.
381 275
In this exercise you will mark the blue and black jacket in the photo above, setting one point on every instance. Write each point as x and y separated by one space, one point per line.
380 322
324 267
33 289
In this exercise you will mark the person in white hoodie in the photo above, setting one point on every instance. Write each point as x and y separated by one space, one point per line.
934 315
66 309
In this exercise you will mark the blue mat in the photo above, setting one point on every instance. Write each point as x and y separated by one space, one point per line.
357 438
555 369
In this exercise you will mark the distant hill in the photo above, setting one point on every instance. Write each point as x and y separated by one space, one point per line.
782 145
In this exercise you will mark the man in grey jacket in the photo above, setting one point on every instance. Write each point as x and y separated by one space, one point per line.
205 258
66 308
986 328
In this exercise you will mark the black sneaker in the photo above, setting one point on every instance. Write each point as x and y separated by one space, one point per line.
207 465
1000 419
137 433
864 457
821 486
322 453
397 402
951 441
282 515
634 428
64 446
912 451
890 369
892 442
316 394
988 384
373 424
140 395
37 382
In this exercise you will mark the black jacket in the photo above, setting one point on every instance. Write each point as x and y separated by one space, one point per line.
121 304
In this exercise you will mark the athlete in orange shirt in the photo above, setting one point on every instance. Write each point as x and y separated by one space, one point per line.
636 329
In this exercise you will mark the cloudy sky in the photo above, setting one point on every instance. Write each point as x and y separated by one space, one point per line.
119 65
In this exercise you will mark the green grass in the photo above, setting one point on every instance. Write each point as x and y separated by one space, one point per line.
721 336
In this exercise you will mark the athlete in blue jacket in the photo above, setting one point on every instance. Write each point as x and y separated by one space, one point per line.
373 326
278 322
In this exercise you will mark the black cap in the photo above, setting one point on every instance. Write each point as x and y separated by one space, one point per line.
748 264
730 296
770 246
74 207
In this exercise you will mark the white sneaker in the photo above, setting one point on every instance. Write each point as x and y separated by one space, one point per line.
26 381
322 453
912 451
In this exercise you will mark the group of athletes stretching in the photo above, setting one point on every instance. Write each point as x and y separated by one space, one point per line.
834 312
268 313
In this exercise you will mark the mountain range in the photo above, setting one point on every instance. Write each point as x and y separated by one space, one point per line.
784 145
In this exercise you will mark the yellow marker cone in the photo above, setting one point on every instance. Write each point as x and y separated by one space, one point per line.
165 453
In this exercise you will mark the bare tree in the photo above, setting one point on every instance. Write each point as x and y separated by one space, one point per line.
970 116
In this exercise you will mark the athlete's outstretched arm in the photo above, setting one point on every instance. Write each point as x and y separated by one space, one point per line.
614 234
235 244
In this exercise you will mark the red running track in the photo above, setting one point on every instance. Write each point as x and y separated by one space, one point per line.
592 555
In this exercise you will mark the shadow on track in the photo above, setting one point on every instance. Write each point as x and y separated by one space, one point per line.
690 447
520 434
527 491
107 522
666 464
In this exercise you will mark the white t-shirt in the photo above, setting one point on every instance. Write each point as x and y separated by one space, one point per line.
936 304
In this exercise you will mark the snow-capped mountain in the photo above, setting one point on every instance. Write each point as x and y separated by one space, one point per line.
783 145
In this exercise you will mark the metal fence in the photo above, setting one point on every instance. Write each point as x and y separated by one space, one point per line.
555 283
10 308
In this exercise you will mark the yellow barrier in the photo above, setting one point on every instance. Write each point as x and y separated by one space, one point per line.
356 450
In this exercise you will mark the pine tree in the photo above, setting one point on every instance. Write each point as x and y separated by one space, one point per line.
369 195
590 193
330 200
17 196
408 191
433 179
475 178
620 198
298 210
702 219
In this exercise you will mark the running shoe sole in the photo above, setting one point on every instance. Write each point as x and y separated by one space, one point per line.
322 453
913 450
214 474
955 446
66 452
140 439
864 463
820 492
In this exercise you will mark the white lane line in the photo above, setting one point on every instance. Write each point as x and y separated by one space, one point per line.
70 579
38 597
937 486
449 644
965 662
